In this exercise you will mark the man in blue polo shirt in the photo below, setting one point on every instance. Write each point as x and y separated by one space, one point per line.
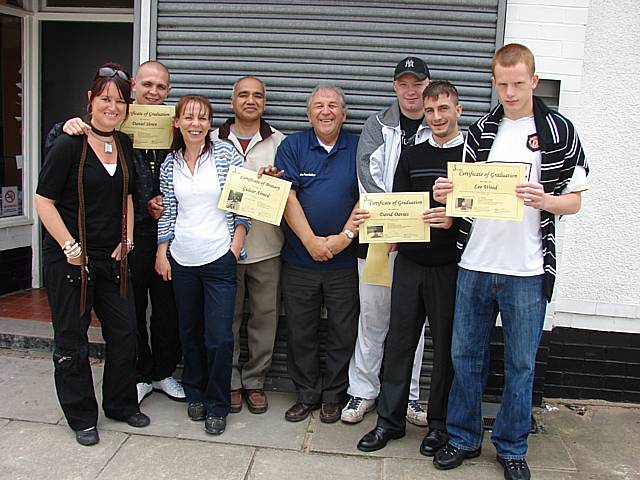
319 254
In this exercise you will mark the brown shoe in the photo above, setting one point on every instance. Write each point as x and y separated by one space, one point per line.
300 411
330 412
256 400
235 401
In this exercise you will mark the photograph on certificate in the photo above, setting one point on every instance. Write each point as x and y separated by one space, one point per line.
394 217
261 198
486 190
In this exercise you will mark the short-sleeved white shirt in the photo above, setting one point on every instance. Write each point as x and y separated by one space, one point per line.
510 247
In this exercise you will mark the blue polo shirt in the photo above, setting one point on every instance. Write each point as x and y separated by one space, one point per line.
327 188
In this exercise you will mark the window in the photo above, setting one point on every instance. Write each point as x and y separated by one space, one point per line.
11 161
549 92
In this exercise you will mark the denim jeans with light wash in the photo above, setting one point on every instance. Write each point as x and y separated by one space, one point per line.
521 303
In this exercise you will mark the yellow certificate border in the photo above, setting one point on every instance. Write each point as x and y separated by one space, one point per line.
238 180
419 232
154 134
478 183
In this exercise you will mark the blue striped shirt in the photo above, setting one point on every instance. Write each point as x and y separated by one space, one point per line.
224 155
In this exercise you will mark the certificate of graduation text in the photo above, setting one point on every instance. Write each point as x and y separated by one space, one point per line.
394 217
486 190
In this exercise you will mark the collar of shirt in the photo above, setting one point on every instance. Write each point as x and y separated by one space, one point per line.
201 158
315 143
454 142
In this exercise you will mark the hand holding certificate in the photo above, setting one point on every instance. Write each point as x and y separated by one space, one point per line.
150 126
486 190
261 198
394 217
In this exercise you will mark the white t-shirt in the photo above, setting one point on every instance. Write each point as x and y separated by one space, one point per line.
201 233
509 247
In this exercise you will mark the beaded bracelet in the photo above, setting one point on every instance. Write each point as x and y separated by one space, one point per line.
71 249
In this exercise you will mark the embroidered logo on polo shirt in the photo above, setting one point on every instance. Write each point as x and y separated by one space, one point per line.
532 142
307 174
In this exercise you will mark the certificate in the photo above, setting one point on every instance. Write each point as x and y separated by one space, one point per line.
486 190
377 268
394 217
261 198
150 126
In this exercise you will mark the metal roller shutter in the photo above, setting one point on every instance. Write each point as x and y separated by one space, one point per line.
293 45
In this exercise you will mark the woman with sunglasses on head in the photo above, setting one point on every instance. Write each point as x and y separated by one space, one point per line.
198 248
84 202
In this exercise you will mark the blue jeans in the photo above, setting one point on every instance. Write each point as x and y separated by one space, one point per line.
205 299
521 304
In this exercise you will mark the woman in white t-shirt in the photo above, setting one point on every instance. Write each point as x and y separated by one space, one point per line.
198 248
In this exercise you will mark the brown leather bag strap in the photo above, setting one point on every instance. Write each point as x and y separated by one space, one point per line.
82 229
123 226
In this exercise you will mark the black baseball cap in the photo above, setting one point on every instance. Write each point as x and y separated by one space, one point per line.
414 66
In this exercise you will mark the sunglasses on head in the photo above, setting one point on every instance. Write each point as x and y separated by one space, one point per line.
112 72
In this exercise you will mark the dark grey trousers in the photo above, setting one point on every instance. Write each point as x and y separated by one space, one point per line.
305 291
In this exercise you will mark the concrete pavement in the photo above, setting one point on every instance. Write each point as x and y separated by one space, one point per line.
590 441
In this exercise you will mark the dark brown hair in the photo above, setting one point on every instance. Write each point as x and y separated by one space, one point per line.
440 87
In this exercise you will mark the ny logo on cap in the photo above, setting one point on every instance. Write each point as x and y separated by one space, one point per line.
408 63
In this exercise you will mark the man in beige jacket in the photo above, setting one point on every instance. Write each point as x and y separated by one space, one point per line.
259 275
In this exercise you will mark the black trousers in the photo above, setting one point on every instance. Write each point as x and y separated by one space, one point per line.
305 291
72 374
157 360
417 291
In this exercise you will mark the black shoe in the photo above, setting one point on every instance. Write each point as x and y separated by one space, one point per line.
433 441
87 437
449 457
514 469
215 425
196 411
377 439
138 420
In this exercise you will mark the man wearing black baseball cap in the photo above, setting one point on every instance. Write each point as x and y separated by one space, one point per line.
385 134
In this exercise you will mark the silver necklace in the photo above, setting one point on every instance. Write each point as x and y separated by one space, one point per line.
108 144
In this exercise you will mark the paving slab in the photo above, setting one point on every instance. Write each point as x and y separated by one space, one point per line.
548 451
32 450
602 440
286 465
342 438
170 458
4 422
405 469
269 429
27 391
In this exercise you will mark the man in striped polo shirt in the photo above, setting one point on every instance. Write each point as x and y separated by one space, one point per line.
508 267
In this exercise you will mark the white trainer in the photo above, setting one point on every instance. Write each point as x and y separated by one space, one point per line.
144 390
416 414
171 388
355 410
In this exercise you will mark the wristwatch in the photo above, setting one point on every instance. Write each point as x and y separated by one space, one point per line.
350 235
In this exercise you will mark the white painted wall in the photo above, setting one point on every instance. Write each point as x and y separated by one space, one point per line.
592 48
